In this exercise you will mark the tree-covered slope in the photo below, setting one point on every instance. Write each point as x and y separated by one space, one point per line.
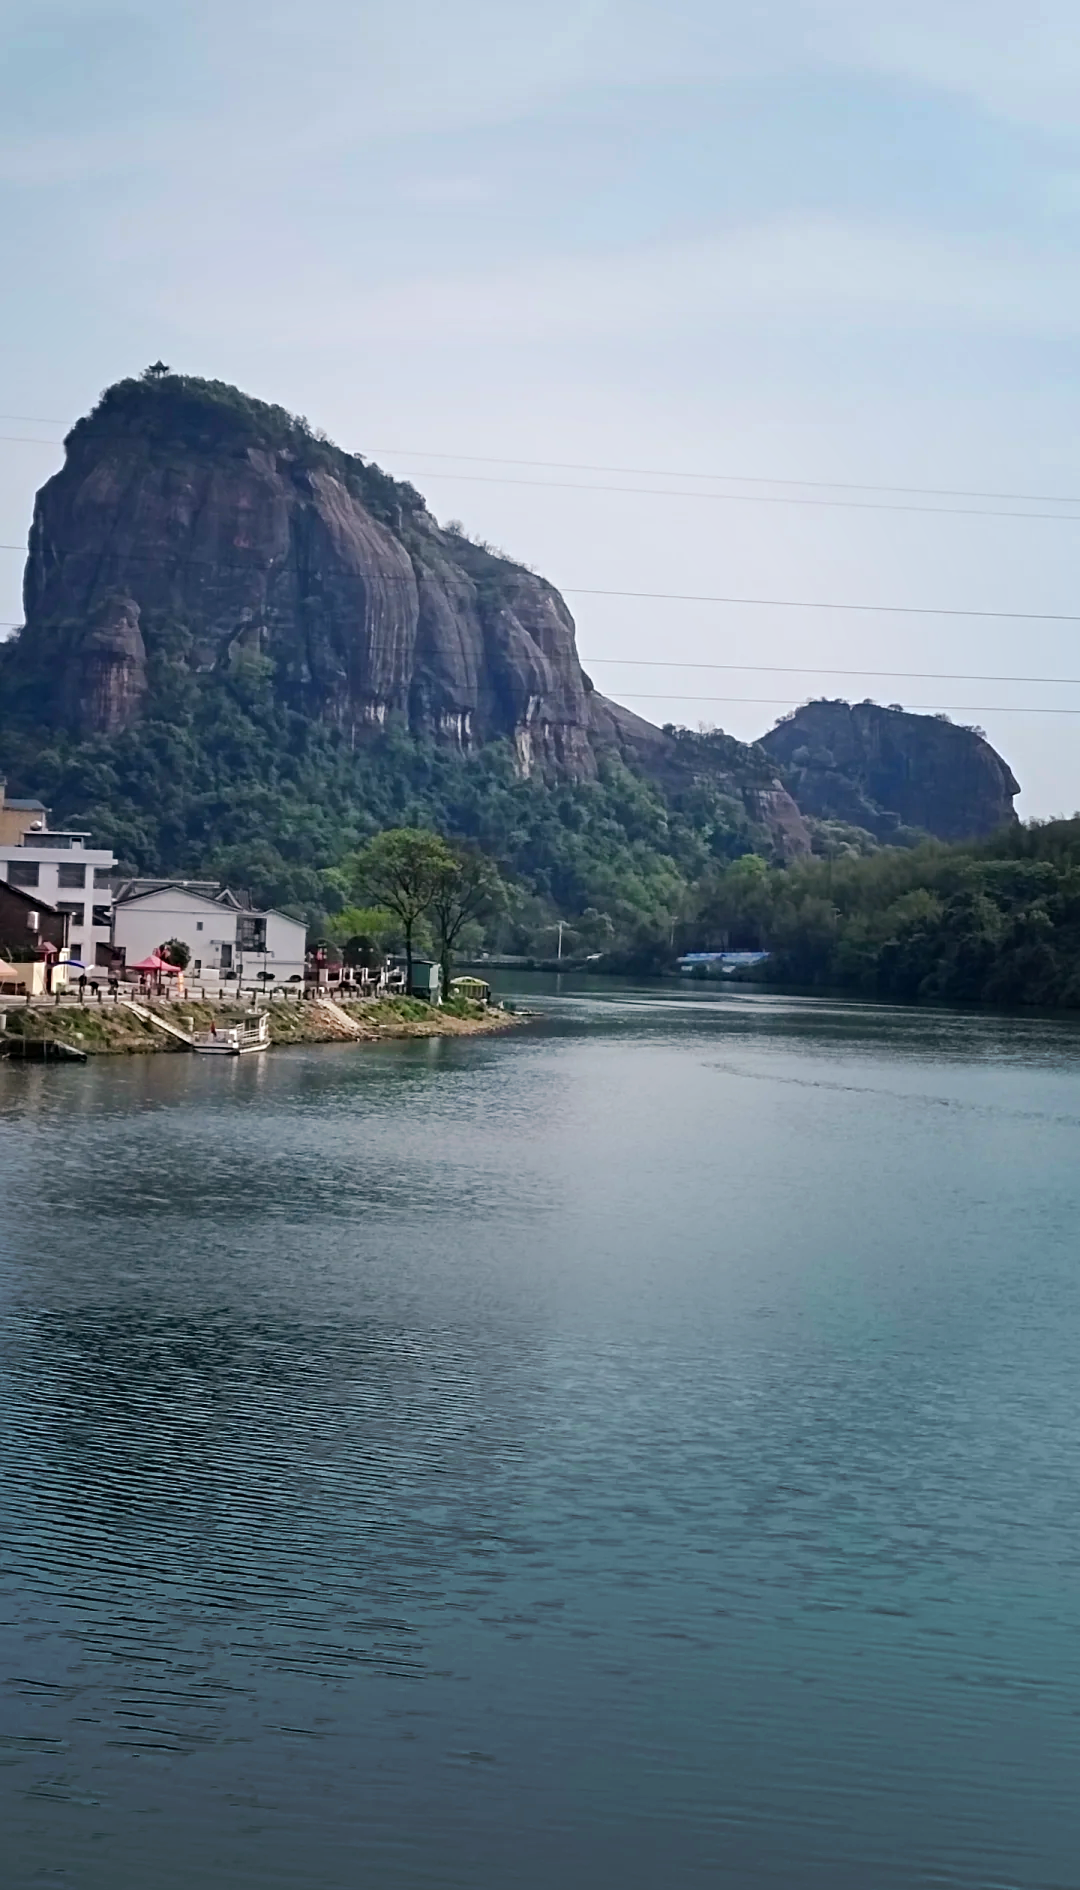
227 780
992 922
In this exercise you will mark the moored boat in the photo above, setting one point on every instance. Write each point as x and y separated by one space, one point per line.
233 1040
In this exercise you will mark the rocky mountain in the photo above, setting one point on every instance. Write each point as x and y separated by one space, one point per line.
886 769
223 608
192 528
189 517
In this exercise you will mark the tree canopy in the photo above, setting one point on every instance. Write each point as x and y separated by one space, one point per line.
226 782
991 922
469 890
403 870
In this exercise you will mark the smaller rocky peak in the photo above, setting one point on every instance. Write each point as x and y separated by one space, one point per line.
887 769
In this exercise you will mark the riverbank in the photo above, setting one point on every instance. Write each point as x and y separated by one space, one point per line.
110 1029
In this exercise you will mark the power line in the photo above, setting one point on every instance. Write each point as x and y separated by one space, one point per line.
918 708
685 597
749 498
784 669
804 603
816 669
666 472
914 708
746 479
736 498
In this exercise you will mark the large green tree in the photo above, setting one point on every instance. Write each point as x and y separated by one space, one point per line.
469 891
402 870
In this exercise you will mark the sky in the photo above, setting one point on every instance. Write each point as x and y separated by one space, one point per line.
815 244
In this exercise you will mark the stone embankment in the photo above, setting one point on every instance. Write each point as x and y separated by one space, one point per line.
109 1029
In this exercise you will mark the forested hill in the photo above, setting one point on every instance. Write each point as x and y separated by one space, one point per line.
245 651
995 922
225 781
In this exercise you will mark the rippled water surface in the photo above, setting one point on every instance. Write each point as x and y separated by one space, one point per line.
641 1452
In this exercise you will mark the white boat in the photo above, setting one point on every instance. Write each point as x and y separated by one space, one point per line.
232 1040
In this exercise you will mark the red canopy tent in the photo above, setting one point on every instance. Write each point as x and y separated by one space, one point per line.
154 962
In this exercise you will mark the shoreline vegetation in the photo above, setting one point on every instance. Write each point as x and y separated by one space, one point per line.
110 1029
992 922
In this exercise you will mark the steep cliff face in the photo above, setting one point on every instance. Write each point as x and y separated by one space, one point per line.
194 529
884 768
192 522
193 532
102 687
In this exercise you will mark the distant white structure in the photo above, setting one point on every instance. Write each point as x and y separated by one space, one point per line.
718 964
223 936
67 872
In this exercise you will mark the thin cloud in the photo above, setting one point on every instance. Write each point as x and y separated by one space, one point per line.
787 272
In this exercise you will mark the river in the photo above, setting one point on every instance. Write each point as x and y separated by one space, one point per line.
639 1451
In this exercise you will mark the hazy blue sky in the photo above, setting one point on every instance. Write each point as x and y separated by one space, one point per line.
808 240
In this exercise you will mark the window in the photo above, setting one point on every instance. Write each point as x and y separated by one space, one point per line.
102 916
198 925
23 873
65 905
102 878
71 876
196 969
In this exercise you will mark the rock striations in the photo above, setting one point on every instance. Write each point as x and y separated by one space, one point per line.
193 521
194 527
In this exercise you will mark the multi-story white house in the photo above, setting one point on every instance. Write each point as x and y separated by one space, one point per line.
66 871
225 938
113 919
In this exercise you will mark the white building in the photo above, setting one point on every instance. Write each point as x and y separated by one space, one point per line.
70 874
222 936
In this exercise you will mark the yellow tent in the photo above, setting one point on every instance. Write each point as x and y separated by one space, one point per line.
474 988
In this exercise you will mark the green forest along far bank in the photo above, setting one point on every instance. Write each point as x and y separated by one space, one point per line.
990 922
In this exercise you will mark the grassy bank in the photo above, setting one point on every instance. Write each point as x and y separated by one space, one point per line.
111 1030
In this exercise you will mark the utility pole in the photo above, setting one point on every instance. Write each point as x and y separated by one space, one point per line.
562 922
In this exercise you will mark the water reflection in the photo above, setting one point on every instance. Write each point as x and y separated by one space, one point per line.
641 1451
